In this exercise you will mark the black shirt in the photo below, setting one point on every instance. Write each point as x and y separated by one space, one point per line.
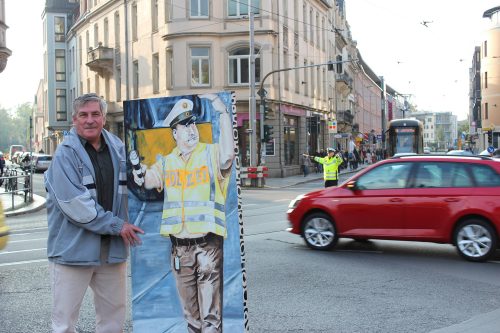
104 174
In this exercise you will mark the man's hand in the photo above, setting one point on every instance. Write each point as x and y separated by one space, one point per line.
217 103
129 234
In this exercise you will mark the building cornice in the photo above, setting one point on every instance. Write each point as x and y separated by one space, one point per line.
215 34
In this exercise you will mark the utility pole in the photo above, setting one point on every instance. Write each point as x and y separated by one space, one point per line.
252 111
383 106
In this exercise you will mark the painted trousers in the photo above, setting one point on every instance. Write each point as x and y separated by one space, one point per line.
197 265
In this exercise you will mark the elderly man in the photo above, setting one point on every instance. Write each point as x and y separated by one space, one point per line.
194 178
87 218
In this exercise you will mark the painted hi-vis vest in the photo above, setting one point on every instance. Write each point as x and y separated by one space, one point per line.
330 166
193 195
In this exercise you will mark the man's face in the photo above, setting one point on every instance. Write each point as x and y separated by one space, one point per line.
89 122
186 136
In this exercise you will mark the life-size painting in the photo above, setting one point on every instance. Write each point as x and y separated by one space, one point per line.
183 183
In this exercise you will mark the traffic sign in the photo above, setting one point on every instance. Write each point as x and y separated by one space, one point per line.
491 149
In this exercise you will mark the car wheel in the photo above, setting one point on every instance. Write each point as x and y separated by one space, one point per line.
319 232
475 240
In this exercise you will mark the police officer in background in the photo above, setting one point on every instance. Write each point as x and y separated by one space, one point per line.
331 164
194 177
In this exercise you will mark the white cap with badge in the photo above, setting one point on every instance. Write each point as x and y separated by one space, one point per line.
182 112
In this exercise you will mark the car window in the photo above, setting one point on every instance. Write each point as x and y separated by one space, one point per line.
485 176
442 174
391 175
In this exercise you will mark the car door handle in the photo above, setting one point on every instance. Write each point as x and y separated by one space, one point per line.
452 200
395 200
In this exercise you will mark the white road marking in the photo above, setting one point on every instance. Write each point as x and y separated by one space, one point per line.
20 251
26 240
23 262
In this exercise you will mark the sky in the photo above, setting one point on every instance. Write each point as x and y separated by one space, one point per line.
431 64
19 81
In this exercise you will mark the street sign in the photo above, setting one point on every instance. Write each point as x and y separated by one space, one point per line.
491 149
332 126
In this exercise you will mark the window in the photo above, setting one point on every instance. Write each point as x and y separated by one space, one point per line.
168 10
96 35
378 179
200 66
199 8
485 176
311 27
156 73
134 22
170 68
154 15
117 30
97 86
304 19
239 66
485 79
106 32
118 81
339 64
87 41
242 7
485 48
291 140
304 82
286 73
60 65
485 110
59 29
135 66
297 74
61 109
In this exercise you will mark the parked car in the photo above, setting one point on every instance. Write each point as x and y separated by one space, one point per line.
430 198
41 162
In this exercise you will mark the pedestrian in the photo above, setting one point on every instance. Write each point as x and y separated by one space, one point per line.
194 178
330 166
89 233
2 166
305 164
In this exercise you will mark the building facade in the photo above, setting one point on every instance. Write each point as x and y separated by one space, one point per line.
5 53
153 48
490 80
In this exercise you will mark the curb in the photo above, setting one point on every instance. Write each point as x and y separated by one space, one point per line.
37 204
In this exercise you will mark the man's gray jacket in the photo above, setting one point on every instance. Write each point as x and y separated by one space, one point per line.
76 221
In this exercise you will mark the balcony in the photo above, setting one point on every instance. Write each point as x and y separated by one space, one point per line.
344 80
100 60
4 55
345 117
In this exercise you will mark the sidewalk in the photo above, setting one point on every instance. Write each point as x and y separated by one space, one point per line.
20 207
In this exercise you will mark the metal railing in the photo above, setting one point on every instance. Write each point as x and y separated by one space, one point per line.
16 182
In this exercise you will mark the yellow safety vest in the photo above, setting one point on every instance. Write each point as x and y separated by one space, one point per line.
330 166
193 195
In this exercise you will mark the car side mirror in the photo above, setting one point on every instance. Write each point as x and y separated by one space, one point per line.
351 185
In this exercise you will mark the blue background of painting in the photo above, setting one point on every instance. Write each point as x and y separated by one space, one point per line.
155 303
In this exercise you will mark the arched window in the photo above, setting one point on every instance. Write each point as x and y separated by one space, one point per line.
239 66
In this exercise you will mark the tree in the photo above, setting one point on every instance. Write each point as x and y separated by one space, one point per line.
15 126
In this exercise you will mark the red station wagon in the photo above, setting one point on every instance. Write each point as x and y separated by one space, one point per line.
429 198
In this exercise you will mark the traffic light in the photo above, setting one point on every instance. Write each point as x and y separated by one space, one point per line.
268 111
268 133
490 137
